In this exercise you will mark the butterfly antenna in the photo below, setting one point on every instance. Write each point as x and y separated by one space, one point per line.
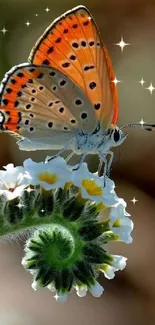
119 155
143 126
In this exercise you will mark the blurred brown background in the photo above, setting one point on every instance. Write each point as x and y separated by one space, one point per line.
129 298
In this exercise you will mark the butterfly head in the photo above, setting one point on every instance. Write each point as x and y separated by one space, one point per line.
117 137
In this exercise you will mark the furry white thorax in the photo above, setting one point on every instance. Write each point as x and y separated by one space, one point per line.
97 142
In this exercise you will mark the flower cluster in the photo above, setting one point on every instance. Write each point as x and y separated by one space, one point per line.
71 215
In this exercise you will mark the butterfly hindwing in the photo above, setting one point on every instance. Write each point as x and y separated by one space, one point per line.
37 100
56 140
72 45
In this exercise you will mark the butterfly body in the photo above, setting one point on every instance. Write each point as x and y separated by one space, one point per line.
99 142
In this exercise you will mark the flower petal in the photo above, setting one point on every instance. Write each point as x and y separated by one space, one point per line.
96 290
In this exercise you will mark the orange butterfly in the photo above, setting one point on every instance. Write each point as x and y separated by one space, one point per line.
65 98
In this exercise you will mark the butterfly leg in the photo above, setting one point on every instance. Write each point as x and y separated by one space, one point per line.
103 159
69 156
110 162
81 161
100 167
48 158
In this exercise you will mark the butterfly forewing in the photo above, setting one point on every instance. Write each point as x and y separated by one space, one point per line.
37 100
72 45
113 101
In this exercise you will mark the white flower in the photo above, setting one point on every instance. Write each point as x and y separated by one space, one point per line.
96 290
108 270
118 262
61 297
12 182
51 287
92 186
24 262
114 263
35 285
49 175
81 290
119 222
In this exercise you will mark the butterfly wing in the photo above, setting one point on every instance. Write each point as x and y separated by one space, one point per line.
38 103
72 45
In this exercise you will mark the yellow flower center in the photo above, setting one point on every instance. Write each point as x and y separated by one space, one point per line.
116 224
101 207
103 267
91 187
48 178
68 185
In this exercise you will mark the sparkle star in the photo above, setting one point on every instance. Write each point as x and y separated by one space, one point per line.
134 200
28 23
142 81
20 205
29 190
150 88
122 44
115 81
47 9
4 30
142 122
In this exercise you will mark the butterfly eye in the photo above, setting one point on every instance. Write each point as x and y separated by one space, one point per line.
116 136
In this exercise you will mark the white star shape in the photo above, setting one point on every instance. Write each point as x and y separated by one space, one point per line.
142 81
142 122
134 200
47 9
20 205
28 23
61 297
115 81
150 88
122 44
29 189
4 30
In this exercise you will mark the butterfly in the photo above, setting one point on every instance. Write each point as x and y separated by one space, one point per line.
65 97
